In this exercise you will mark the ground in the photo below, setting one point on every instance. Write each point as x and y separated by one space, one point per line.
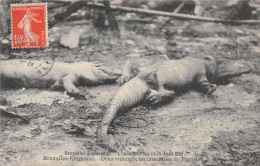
218 129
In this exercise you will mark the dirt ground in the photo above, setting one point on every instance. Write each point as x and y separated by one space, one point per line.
218 129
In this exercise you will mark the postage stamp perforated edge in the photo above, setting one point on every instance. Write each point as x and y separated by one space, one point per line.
46 23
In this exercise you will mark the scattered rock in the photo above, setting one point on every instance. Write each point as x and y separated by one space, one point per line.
153 26
52 39
131 149
71 39
152 131
104 52
136 50
256 50
130 42
231 85
179 32
130 15
36 131
196 120
56 123
89 132
161 48
162 19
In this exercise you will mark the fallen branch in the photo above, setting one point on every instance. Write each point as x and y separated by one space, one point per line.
4 112
75 5
178 8
175 15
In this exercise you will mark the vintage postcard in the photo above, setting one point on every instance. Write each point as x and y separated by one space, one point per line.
129 82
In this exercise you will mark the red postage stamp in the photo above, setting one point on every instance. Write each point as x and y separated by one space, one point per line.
29 25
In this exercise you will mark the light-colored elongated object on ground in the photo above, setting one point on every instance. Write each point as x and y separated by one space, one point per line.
44 74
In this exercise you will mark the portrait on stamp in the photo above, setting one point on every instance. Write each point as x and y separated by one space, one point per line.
29 25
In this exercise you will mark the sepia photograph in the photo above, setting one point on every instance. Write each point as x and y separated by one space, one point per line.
129 82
